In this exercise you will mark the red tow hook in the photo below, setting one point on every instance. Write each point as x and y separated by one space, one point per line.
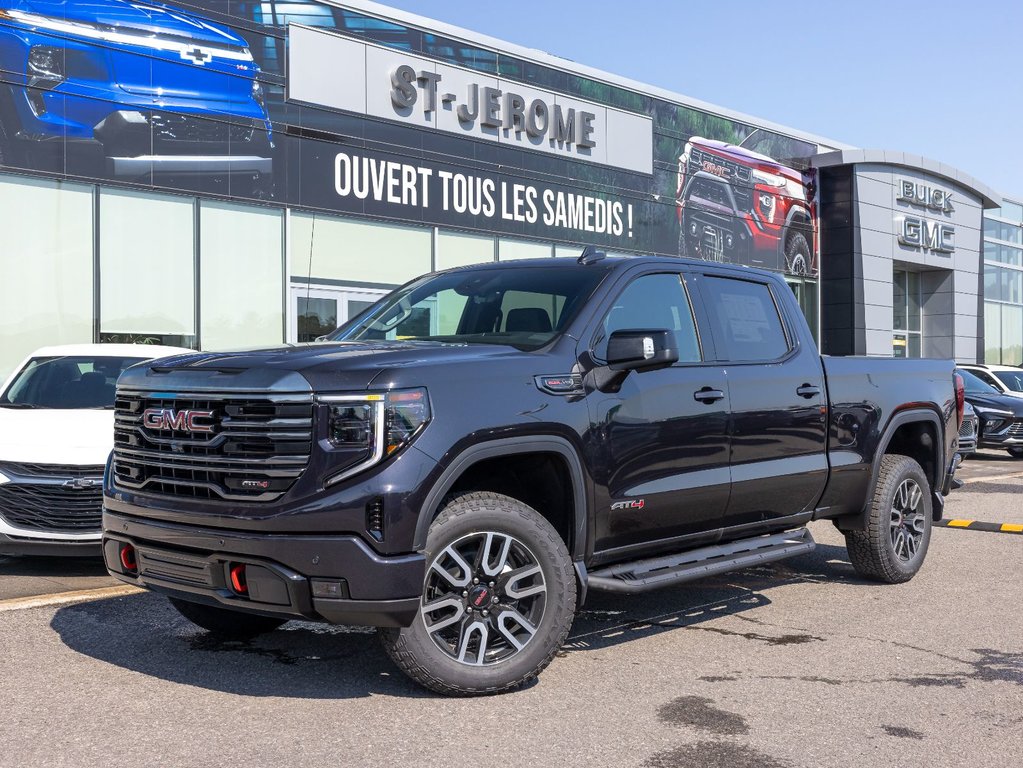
128 559
238 579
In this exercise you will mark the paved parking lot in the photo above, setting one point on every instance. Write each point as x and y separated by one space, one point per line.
799 663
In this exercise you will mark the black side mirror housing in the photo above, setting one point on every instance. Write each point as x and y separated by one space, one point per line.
641 350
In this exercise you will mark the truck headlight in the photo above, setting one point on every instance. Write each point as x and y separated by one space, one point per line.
374 426
768 179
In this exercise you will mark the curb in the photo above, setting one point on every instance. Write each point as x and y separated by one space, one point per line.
979 525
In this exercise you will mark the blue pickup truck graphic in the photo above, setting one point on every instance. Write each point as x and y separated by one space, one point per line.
146 91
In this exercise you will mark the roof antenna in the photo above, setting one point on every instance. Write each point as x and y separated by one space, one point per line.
591 255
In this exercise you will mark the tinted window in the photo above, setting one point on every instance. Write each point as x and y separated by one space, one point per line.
523 307
653 303
66 382
745 318
1011 379
974 385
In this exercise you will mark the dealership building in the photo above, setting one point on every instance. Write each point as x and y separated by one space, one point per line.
228 174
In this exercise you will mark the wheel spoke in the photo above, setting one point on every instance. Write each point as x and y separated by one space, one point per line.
910 545
486 562
456 581
512 615
516 576
437 605
900 541
477 628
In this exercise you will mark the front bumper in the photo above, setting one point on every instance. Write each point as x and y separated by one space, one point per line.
193 563
25 545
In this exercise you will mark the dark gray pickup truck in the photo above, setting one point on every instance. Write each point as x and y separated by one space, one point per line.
462 463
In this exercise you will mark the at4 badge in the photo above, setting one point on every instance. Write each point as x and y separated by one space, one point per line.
631 504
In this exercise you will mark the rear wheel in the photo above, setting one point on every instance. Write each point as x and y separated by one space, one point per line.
1016 453
894 544
233 625
498 599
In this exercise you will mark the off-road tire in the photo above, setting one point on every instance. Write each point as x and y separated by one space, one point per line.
1016 453
223 622
797 254
413 648
873 551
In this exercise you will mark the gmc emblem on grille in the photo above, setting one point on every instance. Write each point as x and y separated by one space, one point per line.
178 421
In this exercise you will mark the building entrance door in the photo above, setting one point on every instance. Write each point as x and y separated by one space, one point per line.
317 310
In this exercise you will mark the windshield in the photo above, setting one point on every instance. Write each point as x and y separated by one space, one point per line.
976 386
522 307
66 382
1011 379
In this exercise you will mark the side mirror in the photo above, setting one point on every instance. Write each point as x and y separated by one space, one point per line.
641 350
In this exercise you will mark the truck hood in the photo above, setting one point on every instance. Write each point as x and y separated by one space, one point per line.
317 367
746 157
151 18
56 436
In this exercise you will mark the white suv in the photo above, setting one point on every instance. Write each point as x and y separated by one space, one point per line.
56 432
1007 379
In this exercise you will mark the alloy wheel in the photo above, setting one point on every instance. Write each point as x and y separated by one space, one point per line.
484 598
907 520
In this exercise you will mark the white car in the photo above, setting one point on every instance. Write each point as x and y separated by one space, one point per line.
1007 379
56 432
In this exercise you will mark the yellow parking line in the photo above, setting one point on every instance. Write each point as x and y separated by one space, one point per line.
1012 527
959 523
66 598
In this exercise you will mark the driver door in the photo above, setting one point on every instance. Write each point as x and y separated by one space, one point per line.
660 445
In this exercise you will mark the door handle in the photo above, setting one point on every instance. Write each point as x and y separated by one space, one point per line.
708 395
808 391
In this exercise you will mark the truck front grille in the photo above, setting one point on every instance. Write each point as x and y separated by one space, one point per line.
252 447
51 508
175 127
700 160
969 428
1015 429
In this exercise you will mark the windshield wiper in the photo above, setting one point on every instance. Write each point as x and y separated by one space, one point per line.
18 405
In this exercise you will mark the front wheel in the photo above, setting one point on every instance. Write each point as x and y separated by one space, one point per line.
894 544
231 625
1016 453
498 599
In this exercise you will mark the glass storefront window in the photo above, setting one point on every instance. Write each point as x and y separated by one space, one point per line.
456 249
46 295
999 230
509 249
906 314
147 268
241 276
806 294
351 252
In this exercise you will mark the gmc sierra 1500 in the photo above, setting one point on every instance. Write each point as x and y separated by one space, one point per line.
463 461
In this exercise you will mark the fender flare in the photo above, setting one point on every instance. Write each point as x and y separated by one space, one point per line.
909 416
504 447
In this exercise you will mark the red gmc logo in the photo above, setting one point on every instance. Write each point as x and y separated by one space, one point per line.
178 421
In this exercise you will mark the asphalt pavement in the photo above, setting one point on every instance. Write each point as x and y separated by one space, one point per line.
796 664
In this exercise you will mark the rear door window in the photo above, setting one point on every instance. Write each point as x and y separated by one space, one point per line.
745 320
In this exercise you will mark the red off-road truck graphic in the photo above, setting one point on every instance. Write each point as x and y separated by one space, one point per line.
737 205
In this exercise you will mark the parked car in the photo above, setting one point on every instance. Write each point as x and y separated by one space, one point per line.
1007 379
968 432
463 462
56 432
133 91
1000 415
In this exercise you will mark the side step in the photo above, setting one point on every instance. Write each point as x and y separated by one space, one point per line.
644 575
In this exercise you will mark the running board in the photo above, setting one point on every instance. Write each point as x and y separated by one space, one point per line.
644 575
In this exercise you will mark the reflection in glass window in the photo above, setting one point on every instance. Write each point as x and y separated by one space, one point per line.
147 268
747 326
653 303
47 292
